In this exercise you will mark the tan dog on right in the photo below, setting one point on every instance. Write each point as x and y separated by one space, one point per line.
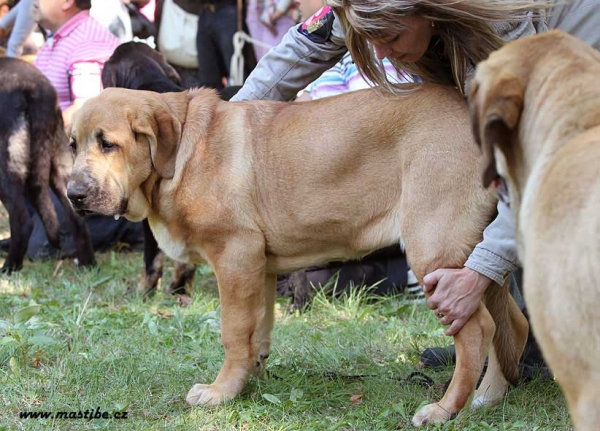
535 109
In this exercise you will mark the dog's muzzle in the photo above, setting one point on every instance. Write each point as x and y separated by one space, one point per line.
77 193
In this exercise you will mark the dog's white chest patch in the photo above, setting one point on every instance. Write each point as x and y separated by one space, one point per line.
172 247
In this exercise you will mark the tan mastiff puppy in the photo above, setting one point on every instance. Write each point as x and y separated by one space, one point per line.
260 188
535 107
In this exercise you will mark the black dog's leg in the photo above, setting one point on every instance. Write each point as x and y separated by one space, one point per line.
81 235
77 226
12 194
42 202
302 289
153 262
183 276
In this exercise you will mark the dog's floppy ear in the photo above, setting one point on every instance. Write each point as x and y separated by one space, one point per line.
163 131
167 69
109 75
170 70
495 111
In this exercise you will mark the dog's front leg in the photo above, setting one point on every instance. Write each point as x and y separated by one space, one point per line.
245 322
472 344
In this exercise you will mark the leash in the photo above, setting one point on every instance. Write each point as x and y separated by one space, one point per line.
236 70
416 377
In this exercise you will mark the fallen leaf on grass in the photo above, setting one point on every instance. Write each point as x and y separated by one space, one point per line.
356 399
183 300
163 315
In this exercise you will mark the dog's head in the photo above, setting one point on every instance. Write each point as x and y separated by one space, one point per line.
135 65
495 98
121 139
513 99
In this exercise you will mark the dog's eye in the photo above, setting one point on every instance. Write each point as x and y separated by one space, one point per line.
106 146
73 146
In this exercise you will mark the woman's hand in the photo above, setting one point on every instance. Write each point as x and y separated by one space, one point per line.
456 295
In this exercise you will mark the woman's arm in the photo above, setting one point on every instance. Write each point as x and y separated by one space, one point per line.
458 292
305 52
496 256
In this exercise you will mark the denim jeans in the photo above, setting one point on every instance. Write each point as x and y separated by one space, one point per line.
216 27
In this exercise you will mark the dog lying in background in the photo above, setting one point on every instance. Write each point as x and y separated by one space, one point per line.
535 108
242 186
34 158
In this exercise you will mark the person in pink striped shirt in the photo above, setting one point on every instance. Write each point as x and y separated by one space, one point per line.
72 59
74 54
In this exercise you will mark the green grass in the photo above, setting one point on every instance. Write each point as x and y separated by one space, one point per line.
78 340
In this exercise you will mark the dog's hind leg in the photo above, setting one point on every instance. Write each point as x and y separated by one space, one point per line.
240 270
266 326
507 347
15 156
439 241
12 196
472 344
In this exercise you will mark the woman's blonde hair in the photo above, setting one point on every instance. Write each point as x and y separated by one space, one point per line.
467 33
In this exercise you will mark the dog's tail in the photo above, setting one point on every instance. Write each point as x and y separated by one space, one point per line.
511 330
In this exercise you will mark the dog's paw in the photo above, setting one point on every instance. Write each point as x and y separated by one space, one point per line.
148 284
485 397
431 414
207 395
260 367
480 401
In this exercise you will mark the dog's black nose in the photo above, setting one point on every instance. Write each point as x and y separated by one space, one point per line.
76 193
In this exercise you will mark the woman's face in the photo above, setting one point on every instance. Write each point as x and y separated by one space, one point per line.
410 44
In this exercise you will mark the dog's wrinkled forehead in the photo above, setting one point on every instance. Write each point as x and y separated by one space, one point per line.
491 69
110 111
523 55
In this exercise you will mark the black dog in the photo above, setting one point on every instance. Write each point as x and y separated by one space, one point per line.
137 66
34 158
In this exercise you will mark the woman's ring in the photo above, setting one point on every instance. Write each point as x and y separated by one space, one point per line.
439 314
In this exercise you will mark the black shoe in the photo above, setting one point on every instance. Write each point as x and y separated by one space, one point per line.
438 357
529 372
531 366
